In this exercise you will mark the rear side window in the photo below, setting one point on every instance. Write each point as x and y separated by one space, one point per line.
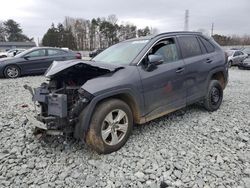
189 46
207 44
237 53
55 52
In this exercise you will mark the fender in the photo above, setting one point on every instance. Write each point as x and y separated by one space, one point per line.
82 127
215 70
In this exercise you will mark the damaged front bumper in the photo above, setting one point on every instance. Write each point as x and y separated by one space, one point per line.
57 114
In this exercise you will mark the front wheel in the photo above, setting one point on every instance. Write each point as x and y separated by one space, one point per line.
110 126
11 71
230 64
214 96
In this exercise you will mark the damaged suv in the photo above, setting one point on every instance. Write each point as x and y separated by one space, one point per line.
132 82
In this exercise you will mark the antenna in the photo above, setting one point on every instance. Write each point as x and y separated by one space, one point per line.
186 20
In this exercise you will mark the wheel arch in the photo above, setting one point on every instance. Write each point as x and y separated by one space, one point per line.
220 77
126 96
219 74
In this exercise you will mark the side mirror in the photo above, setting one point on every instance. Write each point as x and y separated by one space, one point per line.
26 57
155 59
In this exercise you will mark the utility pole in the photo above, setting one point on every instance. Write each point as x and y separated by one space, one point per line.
212 30
38 41
186 20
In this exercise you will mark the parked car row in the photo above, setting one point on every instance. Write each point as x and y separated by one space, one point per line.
34 61
11 53
235 57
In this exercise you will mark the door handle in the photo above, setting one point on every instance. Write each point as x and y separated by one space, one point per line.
209 61
179 70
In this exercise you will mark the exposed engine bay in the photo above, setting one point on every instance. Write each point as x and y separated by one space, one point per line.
62 99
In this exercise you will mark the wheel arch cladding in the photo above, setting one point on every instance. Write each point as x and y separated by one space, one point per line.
220 77
82 127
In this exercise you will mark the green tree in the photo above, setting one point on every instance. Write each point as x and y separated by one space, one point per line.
14 32
59 37
50 38
143 32
69 39
2 33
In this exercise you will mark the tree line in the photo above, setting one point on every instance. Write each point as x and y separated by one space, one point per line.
84 34
232 40
11 31
97 33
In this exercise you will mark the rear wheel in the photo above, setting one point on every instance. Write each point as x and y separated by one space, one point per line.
110 126
214 96
11 71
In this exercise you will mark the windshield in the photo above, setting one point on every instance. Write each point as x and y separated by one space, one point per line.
23 53
121 53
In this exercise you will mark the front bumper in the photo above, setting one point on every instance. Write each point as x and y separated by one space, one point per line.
56 112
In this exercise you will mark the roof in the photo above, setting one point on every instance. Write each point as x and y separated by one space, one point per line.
148 37
17 44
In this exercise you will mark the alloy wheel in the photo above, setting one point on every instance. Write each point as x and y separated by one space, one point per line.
114 127
12 72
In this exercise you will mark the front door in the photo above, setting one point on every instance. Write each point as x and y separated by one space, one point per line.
163 87
35 62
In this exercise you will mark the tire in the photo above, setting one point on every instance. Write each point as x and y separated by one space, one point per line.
105 135
214 96
230 64
12 71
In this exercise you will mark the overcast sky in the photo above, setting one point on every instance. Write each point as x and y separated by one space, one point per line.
229 16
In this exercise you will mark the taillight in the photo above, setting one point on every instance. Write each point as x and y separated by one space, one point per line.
78 55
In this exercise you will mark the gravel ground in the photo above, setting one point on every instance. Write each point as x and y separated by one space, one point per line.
188 148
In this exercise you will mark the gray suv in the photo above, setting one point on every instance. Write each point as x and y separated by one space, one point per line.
132 82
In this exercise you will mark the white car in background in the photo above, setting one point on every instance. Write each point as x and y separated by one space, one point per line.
235 57
11 53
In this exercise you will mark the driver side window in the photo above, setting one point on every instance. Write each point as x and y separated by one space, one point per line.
167 49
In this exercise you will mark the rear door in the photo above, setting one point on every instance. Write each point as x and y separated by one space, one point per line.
163 87
197 64
56 55
236 57
242 57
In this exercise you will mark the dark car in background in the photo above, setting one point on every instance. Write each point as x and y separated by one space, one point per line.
132 82
245 65
34 61
95 52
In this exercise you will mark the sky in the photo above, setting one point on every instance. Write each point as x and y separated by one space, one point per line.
36 16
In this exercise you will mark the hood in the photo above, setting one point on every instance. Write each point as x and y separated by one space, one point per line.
5 59
58 66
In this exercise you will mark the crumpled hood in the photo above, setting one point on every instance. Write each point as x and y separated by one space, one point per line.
58 66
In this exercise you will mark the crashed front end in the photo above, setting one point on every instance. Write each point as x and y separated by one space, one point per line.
62 99
59 108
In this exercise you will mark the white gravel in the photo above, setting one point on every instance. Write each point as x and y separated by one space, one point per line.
189 148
